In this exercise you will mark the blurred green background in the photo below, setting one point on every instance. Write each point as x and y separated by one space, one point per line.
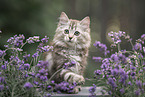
40 17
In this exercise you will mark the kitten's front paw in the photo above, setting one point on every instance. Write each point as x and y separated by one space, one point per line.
74 78
77 89
78 79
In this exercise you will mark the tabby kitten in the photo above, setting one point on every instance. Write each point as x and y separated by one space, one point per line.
71 43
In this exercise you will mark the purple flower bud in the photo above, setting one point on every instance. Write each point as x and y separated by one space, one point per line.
139 84
52 82
35 55
144 49
4 67
49 87
122 91
129 83
45 40
28 85
143 37
36 83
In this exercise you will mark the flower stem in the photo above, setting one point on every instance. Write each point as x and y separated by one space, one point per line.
119 48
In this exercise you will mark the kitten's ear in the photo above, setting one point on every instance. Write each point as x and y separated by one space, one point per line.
85 22
63 19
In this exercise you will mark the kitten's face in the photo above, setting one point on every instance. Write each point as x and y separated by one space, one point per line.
72 32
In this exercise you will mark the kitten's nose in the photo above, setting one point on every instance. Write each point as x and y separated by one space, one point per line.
70 38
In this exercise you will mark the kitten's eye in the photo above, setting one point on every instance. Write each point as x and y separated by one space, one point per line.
66 31
77 33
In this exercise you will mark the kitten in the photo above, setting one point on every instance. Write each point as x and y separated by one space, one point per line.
71 43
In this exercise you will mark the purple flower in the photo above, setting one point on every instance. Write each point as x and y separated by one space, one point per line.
122 91
137 92
114 57
129 83
26 75
123 76
26 66
33 39
43 71
16 40
2 80
115 36
52 82
1 87
97 72
4 67
133 74
92 90
139 84
43 78
45 40
138 46
28 85
143 38
64 87
112 83
2 53
122 58
144 49
109 92
42 64
132 67
49 87
114 72
36 83
26 57
102 47
42 48
47 95
35 55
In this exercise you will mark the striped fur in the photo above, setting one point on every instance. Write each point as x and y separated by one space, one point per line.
71 43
